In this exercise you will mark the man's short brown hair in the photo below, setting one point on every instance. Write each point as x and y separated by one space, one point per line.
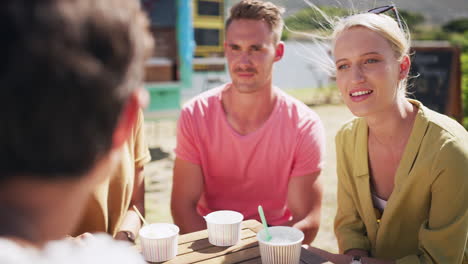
259 10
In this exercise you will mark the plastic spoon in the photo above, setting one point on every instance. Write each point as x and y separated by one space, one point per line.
264 222
139 215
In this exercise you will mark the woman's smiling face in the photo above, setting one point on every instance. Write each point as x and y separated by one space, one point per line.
367 71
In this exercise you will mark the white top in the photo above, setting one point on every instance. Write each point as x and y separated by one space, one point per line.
101 249
378 203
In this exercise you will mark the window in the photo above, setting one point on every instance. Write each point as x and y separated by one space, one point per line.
207 37
209 8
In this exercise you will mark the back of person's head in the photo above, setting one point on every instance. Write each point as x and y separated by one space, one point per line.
259 10
385 26
67 70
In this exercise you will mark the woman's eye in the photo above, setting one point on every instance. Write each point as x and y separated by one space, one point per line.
342 66
372 60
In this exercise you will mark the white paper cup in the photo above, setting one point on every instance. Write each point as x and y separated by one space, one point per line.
224 227
284 246
159 241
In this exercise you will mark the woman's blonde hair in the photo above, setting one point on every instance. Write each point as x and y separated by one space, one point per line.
397 36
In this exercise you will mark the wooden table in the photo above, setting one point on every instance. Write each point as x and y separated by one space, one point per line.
195 248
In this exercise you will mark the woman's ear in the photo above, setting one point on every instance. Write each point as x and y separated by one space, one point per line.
405 66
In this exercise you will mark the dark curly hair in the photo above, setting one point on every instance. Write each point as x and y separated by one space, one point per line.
67 69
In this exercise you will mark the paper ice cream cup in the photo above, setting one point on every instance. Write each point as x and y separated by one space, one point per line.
284 246
159 241
224 227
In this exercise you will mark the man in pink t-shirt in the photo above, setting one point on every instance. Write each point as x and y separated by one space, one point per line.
247 143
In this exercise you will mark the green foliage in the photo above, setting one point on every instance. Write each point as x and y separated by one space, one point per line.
412 19
460 40
309 18
457 26
285 35
430 34
316 96
464 62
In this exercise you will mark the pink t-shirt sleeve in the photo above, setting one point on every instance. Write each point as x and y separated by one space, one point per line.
186 148
310 150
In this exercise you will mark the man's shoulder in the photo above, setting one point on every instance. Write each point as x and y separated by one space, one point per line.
296 109
206 101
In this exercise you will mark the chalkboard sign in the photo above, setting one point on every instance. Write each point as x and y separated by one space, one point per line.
437 84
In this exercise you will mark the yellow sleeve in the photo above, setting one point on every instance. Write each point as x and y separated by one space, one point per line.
141 151
443 237
349 227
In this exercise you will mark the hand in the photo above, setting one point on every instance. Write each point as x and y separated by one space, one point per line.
309 230
81 239
122 236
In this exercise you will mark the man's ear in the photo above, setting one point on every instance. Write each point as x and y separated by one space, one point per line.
128 117
279 52
405 66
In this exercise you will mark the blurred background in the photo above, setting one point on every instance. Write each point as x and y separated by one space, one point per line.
189 59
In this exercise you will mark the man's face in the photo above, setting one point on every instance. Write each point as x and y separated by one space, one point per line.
251 50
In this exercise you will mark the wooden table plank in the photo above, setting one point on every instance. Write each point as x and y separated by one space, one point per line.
212 252
203 243
248 224
235 257
308 257
253 225
256 260
190 237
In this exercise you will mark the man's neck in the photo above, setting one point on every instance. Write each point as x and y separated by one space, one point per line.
246 112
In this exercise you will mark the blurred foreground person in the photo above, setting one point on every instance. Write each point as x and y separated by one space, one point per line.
69 79
110 207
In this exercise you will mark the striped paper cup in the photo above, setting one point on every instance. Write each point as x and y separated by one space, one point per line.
224 227
159 241
284 246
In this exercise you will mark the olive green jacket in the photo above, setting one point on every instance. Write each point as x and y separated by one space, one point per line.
426 217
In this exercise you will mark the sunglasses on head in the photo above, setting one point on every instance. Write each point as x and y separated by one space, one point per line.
383 9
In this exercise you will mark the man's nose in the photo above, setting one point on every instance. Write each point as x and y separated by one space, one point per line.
244 58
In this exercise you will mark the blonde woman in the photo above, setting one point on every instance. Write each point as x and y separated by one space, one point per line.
402 168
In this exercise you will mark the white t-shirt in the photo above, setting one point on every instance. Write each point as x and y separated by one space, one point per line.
101 249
